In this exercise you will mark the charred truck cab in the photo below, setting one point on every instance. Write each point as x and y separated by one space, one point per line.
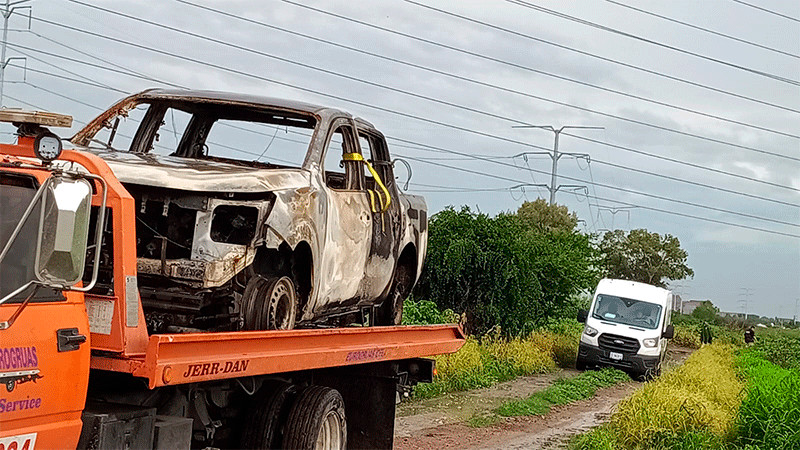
627 327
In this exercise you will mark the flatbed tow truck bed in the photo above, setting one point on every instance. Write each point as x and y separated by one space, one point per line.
188 358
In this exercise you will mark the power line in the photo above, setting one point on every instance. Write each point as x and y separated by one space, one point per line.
595 197
706 219
766 10
650 41
696 27
485 57
311 67
563 47
319 93
626 190
489 135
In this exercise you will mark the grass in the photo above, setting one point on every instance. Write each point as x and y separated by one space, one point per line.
692 406
769 417
488 361
562 392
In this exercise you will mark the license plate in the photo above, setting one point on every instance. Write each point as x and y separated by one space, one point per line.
614 355
19 442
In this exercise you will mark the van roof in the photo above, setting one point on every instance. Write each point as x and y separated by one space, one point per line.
632 289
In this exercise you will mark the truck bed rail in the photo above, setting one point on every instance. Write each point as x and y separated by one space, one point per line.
188 358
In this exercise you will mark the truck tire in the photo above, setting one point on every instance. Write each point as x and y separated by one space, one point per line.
580 364
266 414
269 304
316 420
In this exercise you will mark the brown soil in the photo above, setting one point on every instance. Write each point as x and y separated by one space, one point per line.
440 422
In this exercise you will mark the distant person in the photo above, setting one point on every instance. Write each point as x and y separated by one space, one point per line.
705 333
749 336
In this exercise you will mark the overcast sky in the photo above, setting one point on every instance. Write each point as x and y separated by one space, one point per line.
498 65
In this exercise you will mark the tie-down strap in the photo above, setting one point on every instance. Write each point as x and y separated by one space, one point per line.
384 197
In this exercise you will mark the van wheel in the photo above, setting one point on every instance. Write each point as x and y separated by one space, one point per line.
266 414
269 304
316 421
580 364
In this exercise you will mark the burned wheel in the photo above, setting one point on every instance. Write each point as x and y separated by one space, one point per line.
391 310
269 304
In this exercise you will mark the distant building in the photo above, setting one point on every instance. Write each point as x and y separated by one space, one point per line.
676 303
689 306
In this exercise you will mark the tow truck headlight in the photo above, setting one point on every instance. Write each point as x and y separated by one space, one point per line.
589 331
651 342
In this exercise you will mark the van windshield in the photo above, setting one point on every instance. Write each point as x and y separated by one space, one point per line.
627 311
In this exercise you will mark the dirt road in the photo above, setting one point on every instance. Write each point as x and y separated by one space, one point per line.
440 422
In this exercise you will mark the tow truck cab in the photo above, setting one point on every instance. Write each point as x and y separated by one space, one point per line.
627 326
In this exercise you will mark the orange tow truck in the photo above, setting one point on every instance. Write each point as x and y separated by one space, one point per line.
117 386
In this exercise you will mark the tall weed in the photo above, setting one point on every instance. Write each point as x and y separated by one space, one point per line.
769 417
692 406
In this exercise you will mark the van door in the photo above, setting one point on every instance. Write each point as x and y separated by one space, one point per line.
44 356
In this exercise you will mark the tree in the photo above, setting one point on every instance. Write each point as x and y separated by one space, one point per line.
501 271
543 217
706 312
643 256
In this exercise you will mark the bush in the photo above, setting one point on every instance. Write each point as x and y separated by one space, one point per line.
501 272
425 312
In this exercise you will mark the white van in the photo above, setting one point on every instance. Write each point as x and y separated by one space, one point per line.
627 326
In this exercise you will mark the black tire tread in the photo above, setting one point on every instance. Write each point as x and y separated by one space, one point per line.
262 420
305 412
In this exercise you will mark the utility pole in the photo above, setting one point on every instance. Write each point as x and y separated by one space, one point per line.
745 295
555 156
8 9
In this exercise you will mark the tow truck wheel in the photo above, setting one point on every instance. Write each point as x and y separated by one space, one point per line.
316 421
266 414
269 304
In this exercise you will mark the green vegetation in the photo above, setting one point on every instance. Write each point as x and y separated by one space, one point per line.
511 271
490 360
425 312
770 413
697 401
563 391
644 256
720 398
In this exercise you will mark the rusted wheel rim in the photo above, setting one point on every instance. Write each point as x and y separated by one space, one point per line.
282 305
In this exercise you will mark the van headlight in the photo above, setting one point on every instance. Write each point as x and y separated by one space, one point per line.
651 342
589 331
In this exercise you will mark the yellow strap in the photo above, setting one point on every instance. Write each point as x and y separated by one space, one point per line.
388 200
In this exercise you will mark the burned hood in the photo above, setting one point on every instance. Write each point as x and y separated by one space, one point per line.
199 175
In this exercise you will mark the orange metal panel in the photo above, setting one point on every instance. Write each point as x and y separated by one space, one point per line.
190 358
128 340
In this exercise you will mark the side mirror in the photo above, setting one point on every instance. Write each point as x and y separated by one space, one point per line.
64 231
583 315
669 332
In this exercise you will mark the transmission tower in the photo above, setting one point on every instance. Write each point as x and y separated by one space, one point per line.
555 156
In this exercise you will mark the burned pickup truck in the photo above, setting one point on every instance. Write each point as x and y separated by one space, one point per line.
258 213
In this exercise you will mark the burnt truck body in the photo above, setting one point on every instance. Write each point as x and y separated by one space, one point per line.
258 213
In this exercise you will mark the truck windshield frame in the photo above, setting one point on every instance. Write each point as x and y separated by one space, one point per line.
627 311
